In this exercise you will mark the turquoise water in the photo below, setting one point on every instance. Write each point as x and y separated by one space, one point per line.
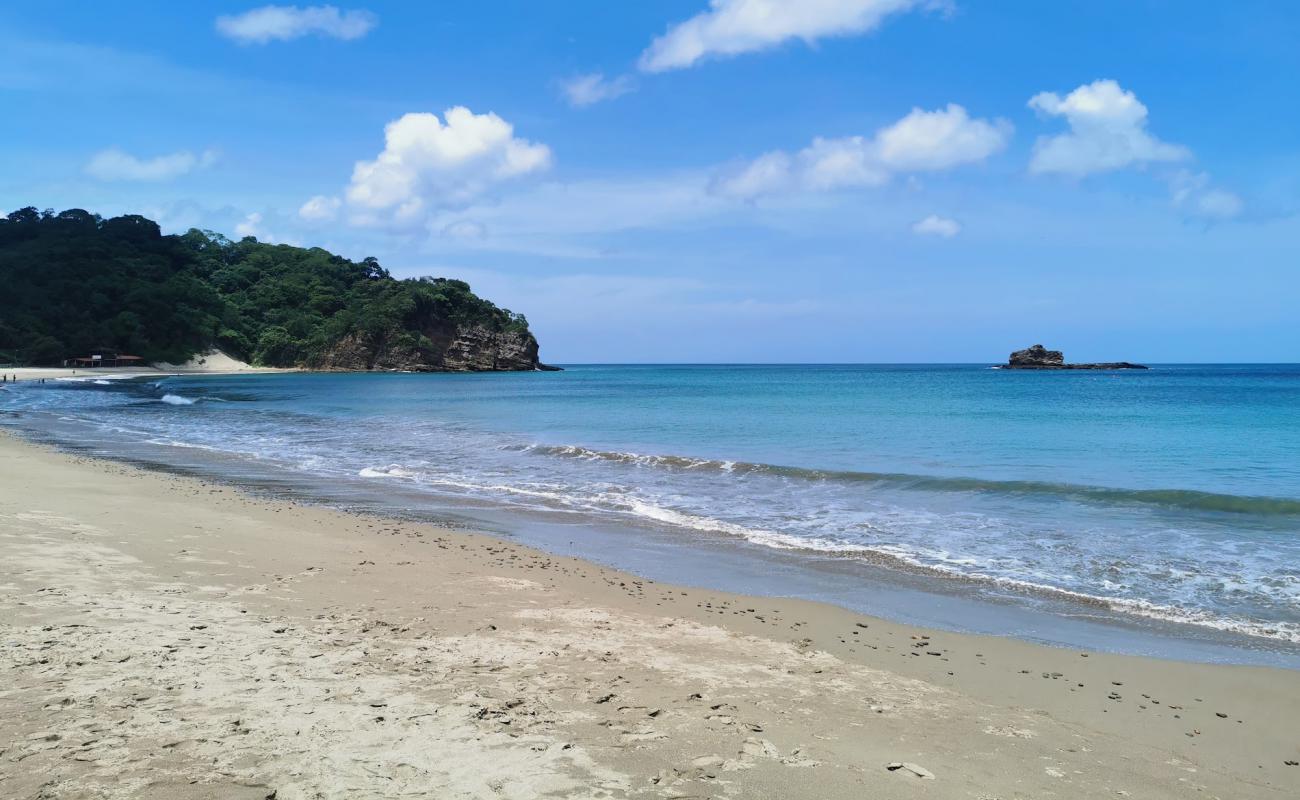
1171 494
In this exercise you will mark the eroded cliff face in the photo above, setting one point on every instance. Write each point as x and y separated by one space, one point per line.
442 347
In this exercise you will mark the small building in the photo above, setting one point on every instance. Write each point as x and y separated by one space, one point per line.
104 360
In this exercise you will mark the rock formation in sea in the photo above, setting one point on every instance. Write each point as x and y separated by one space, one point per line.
1039 357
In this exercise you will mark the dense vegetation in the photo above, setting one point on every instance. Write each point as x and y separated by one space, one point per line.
72 283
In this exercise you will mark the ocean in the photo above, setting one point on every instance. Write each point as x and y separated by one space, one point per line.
1157 502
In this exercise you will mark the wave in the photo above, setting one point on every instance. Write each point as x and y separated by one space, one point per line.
934 564
176 400
390 471
1188 499
1284 631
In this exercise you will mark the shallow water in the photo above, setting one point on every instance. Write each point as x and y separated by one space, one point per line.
1167 495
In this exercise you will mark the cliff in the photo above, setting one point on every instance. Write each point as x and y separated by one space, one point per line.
1039 357
441 347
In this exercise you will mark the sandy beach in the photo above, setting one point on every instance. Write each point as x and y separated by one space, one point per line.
166 637
213 363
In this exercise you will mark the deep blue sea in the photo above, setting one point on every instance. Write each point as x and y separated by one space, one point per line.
1171 494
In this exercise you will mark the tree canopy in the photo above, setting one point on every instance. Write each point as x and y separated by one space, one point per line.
74 283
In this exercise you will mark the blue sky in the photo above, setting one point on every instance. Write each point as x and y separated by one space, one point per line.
725 180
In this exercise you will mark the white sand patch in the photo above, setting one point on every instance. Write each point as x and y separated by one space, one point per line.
211 361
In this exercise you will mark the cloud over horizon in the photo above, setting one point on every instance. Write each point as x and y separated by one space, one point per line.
285 23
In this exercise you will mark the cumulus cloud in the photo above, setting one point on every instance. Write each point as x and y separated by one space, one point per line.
114 164
269 23
935 225
834 163
585 90
940 139
320 208
731 27
922 141
429 162
1107 132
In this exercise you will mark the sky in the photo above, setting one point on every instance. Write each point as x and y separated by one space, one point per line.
714 180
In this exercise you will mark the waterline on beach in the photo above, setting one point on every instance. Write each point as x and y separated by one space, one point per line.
824 463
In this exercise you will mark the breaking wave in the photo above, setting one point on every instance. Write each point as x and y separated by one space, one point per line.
1176 498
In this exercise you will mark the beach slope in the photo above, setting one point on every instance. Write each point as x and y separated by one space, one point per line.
165 637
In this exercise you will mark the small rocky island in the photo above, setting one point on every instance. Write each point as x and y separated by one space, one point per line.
1039 357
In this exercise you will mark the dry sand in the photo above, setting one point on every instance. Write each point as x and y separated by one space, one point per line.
214 362
165 637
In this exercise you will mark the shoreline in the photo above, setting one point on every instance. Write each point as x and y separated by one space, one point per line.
26 374
868 581
153 621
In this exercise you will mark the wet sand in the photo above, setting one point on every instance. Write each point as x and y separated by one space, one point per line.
164 637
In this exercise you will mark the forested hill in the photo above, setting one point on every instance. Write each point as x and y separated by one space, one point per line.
73 283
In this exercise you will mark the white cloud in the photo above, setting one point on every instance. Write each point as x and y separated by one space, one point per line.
834 163
1194 195
731 27
935 225
320 208
428 163
269 23
250 226
592 88
771 172
1107 132
939 139
114 164
922 141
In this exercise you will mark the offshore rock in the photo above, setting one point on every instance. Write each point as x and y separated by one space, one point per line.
1039 357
